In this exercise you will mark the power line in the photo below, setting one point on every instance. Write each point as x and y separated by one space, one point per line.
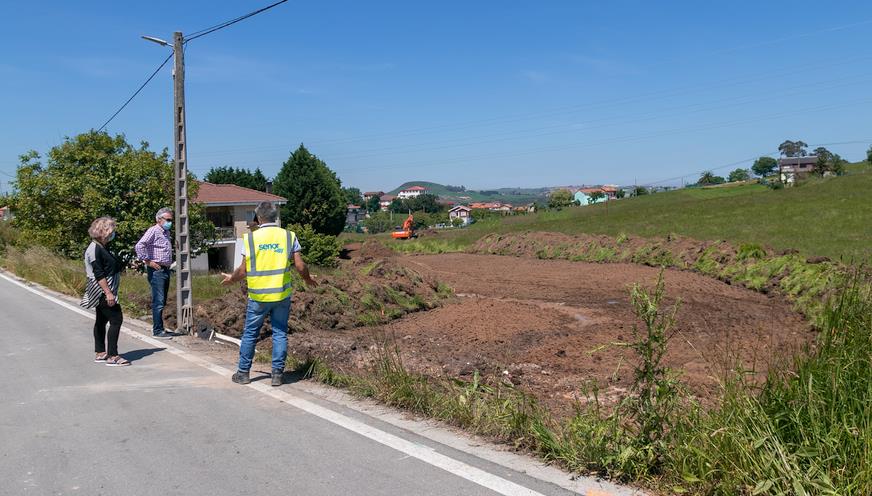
194 36
212 29
153 74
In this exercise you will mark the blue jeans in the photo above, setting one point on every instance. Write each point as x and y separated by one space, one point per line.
159 280
255 313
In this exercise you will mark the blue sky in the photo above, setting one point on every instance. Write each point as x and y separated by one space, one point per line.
484 93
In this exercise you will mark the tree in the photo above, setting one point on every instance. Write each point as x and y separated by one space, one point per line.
595 196
92 175
373 204
619 193
739 175
560 198
764 166
398 206
837 165
240 177
639 191
708 178
352 196
423 203
313 191
793 148
824 160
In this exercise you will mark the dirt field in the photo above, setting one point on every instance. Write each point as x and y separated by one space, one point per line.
548 326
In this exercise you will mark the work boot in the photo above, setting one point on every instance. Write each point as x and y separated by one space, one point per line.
277 377
241 377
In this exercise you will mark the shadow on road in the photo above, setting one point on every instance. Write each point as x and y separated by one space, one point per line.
140 354
287 377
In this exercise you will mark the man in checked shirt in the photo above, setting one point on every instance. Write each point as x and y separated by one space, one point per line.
155 248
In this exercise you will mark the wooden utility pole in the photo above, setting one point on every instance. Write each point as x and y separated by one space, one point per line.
184 293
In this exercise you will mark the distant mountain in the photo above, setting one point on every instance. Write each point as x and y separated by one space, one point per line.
519 196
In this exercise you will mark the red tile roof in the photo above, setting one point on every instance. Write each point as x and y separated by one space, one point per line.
416 188
227 194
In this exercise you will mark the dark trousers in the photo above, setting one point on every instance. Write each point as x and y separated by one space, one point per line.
111 315
159 280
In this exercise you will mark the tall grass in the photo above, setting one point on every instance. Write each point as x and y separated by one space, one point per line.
43 266
428 245
806 431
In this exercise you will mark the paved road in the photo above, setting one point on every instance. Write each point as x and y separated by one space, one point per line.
167 426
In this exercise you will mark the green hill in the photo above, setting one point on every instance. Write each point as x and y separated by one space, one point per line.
515 196
827 217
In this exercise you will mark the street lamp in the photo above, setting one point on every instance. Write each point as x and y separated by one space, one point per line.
156 40
184 290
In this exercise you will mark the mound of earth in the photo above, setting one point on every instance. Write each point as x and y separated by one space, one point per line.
370 290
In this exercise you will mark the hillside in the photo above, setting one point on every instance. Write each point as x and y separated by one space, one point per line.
826 217
517 196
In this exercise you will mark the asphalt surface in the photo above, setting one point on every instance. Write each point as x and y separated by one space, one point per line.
167 426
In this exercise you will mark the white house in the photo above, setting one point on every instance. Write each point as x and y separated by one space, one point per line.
231 209
412 192
461 212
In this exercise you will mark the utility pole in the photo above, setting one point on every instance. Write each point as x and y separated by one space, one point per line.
184 289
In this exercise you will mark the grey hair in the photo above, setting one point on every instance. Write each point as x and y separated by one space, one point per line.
266 212
101 228
160 213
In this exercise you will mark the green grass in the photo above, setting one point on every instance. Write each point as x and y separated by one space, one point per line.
822 217
66 276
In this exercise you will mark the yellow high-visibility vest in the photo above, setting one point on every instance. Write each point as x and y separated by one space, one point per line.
267 265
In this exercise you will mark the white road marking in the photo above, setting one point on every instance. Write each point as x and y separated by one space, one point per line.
423 453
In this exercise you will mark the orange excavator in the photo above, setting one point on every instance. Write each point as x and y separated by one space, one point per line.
406 232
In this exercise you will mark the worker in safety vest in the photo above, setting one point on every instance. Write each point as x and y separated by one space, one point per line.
267 256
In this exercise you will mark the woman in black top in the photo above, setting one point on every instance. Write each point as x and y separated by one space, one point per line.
104 275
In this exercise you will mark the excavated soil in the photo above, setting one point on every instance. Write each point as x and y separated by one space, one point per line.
551 327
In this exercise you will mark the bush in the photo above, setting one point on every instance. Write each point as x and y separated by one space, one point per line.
318 249
8 236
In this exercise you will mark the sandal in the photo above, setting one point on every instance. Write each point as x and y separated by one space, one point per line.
101 357
116 361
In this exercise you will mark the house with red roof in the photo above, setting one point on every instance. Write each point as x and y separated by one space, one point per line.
231 209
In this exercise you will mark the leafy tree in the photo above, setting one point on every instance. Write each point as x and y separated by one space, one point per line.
707 177
620 193
560 198
739 175
373 204
313 191
595 196
240 177
793 148
764 166
378 222
824 159
869 154
837 165
398 206
92 175
423 203
353 196
317 249
640 191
